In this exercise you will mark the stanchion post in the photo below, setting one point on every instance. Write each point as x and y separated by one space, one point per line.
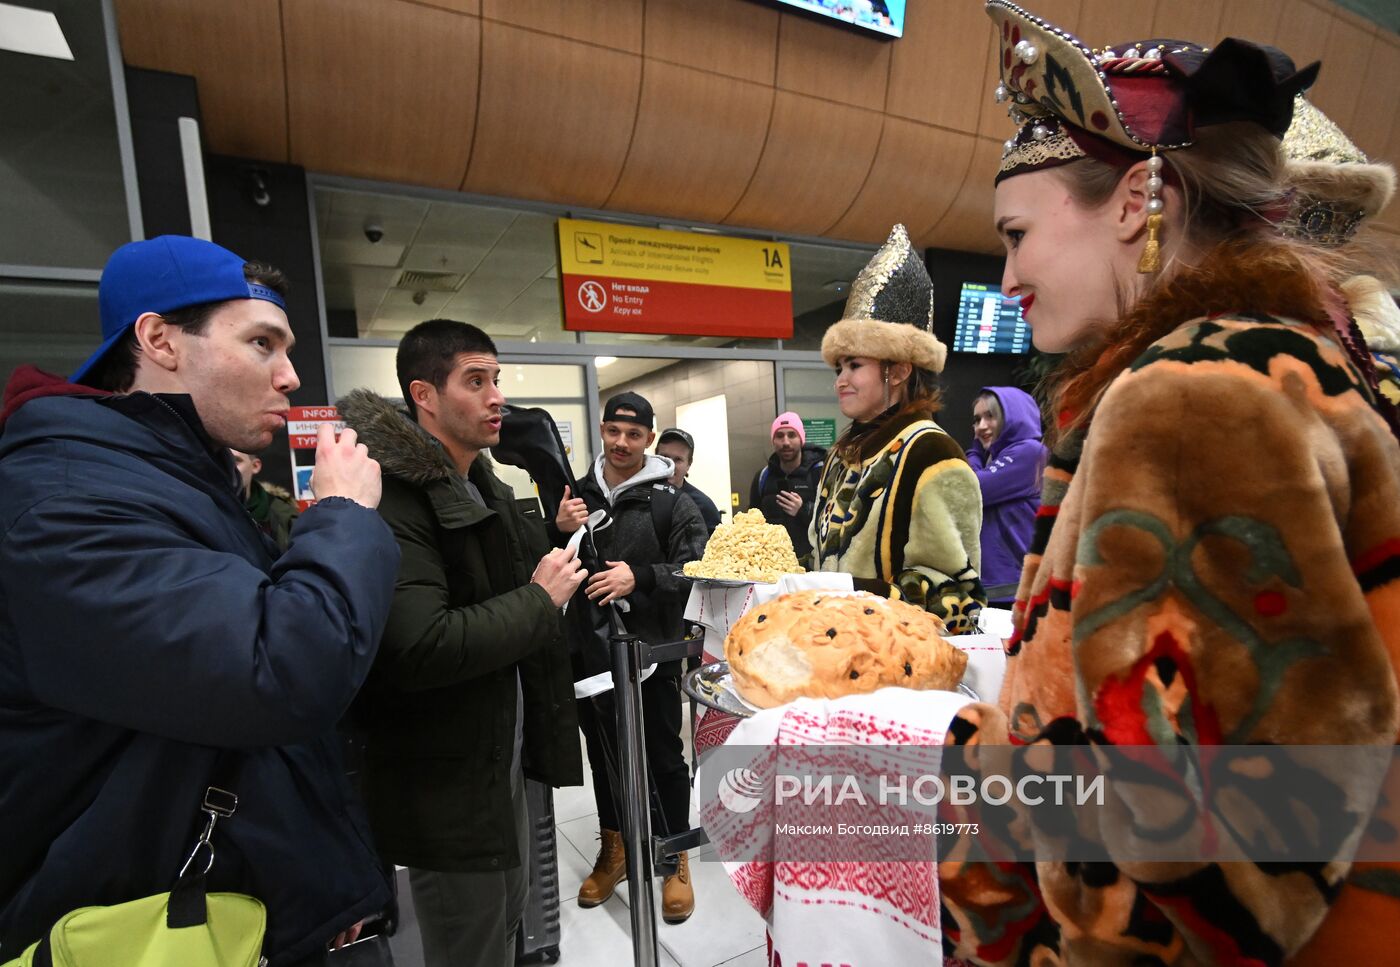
627 671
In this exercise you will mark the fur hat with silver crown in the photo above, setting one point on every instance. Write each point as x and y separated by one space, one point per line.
889 315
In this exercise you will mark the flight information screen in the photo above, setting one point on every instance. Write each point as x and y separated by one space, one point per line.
988 322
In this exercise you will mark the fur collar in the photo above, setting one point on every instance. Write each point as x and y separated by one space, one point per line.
1238 278
403 448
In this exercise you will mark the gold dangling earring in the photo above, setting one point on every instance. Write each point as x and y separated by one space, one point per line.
1151 260
887 386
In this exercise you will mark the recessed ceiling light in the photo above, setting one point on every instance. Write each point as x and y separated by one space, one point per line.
27 31
602 361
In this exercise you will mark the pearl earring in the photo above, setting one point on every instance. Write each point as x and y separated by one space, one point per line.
1151 260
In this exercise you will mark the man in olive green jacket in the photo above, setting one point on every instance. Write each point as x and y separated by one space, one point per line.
271 507
472 686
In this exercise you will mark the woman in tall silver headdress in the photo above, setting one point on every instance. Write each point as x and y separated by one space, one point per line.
1217 561
898 508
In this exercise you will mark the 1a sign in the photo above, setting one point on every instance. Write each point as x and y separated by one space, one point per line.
624 278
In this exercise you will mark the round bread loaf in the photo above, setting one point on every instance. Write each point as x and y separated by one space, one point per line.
825 644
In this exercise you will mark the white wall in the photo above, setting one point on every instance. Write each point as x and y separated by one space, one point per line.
708 421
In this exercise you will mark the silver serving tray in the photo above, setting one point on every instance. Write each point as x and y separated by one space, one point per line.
715 582
713 687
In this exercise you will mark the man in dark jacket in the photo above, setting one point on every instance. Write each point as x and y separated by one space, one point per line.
786 488
472 687
642 572
678 446
152 642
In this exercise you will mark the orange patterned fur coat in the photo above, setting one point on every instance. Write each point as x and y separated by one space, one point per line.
1217 562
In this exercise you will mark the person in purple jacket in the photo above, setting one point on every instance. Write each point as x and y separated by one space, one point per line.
1008 458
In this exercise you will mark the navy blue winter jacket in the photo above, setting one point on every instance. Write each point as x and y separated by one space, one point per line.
146 631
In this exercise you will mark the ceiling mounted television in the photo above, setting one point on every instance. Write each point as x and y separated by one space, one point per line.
989 322
884 18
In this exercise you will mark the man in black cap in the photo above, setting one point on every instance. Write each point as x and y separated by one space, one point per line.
678 446
654 532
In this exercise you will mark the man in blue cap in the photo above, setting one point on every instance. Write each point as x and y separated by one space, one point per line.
153 644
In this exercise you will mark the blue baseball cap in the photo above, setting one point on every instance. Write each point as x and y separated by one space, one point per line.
164 274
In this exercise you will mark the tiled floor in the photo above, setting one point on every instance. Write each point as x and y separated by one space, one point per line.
724 930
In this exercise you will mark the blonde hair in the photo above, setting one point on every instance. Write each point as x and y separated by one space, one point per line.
993 404
1231 181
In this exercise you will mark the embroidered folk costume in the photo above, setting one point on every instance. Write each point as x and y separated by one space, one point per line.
903 513
1217 557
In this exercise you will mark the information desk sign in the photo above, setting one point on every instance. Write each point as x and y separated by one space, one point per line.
623 278
303 424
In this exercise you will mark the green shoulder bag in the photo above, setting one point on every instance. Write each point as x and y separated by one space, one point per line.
187 927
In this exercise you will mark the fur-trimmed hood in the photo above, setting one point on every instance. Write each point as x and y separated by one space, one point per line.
273 490
403 448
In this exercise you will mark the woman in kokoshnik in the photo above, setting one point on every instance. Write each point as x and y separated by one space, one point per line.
1217 558
898 508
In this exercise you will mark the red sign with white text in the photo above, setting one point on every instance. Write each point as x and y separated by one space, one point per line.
303 425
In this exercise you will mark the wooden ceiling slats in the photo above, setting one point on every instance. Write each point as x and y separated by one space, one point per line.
350 116
816 159
916 174
834 65
1344 63
968 222
616 23
694 129
1377 114
736 38
235 52
554 118
1105 22
1186 21
1302 32
946 89
1255 20
724 111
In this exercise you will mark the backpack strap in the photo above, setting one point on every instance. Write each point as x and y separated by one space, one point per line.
663 510
762 480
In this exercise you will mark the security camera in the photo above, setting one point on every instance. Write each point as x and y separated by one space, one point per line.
374 232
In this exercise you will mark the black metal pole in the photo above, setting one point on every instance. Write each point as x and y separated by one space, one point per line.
627 694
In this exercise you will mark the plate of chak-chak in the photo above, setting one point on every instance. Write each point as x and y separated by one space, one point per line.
747 550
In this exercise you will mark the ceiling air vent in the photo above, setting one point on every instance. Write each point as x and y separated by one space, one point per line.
428 281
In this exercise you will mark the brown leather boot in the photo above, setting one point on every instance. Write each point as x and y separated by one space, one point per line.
677 895
608 870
